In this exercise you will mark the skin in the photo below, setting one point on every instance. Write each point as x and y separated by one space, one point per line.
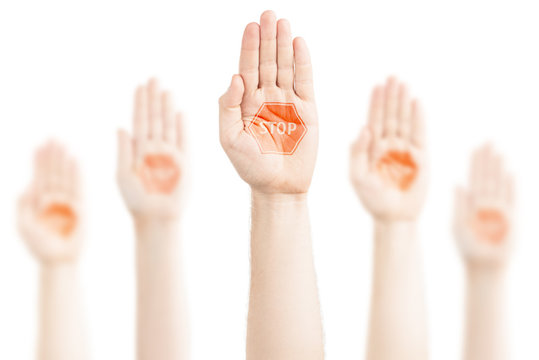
388 170
151 175
277 128
59 218
49 220
483 229
398 169
284 319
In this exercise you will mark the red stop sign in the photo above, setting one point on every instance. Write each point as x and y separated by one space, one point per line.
277 128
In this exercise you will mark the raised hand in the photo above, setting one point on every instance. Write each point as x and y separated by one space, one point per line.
272 150
269 130
388 169
483 222
49 212
151 164
388 162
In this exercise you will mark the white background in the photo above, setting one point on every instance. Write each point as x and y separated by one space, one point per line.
68 71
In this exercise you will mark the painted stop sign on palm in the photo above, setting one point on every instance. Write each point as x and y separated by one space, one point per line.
277 128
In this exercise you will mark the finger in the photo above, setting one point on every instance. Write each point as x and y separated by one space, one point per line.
461 202
140 116
285 56
39 169
180 129
268 49
417 124
390 108
249 56
488 171
475 173
169 126
509 189
63 175
497 175
68 176
73 178
125 153
376 112
55 161
24 203
360 153
155 108
48 166
484 171
404 113
230 121
303 74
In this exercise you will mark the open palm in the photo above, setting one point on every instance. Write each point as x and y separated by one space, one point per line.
483 213
388 165
151 164
49 212
273 69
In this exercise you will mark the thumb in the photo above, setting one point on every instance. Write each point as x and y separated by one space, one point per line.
460 205
24 207
125 152
230 122
360 154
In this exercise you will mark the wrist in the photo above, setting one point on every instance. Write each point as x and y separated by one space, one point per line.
276 210
144 222
156 234
394 225
278 198
485 271
58 264
487 283
395 235
52 273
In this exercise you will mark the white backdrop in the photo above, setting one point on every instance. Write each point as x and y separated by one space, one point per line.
68 70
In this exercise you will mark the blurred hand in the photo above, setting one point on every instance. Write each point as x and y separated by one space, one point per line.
483 222
273 68
151 164
49 212
388 165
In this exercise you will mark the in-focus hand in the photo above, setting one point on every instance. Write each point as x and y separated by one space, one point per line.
151 165
49 212
483 222
273 69
388 162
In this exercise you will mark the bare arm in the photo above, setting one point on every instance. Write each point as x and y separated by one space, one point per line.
269 130
486 328
61 334
50 222
162 319
151 175
483 229
397 326
388 169
284 313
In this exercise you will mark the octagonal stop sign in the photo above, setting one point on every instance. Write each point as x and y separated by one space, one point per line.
277 128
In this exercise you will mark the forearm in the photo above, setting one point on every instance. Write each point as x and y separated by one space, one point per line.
162 320
61 330
284 313
486 336
397 328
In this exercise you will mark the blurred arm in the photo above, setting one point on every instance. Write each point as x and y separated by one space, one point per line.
397 328
284 313
486 337
61 334
162 328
